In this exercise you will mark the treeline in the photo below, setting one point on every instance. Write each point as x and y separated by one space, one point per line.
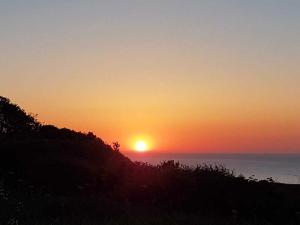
49 174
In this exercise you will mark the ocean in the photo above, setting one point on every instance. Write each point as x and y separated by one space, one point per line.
283 168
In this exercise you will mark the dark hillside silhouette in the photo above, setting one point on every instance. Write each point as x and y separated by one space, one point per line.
50 175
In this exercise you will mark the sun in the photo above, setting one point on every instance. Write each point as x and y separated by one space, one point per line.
141 146
140 143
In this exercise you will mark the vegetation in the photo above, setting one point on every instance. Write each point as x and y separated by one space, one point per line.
59 176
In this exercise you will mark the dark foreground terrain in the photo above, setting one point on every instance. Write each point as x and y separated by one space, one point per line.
58 176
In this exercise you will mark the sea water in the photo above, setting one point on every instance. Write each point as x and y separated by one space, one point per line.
283 168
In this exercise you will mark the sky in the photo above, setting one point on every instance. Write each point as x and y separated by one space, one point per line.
184 76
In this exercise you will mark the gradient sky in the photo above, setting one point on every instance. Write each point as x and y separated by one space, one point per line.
193 76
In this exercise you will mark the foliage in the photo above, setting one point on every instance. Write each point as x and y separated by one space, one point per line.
14 120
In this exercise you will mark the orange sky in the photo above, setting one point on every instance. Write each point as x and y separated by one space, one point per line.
186 77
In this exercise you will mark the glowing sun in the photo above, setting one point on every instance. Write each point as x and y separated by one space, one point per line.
141 146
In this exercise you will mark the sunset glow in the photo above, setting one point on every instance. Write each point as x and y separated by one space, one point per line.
197 76
141 146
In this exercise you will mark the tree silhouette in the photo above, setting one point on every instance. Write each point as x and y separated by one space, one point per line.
116 146
14 120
